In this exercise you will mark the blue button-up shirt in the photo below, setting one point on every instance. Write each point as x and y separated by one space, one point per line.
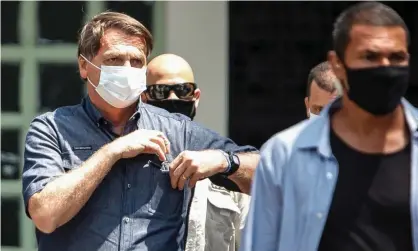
294 185
134 208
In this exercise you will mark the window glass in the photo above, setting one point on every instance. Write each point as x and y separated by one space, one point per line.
10 222
60 86
10 160
10 87
140 10
9 16
60 21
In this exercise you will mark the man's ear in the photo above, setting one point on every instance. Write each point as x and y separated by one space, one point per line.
197 97
82 67
337 67
307 106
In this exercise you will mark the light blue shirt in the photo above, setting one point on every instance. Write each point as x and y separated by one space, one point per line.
294 185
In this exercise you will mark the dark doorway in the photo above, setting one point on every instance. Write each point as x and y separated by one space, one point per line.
272 47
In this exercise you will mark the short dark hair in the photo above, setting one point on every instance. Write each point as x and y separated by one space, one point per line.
323 78
366 13
93 31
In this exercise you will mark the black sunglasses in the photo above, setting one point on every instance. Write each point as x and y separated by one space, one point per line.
162 91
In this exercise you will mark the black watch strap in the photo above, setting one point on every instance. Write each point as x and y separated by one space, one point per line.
234 163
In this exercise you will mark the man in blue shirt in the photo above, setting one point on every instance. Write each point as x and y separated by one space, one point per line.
347 180
113 173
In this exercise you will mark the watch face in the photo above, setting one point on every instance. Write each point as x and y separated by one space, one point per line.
236 159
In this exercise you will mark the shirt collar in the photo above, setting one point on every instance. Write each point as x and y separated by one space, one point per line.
97 117
316 134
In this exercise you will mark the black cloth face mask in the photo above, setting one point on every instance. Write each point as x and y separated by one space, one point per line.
378 90
185 107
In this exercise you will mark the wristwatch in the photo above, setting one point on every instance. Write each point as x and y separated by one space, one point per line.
233 163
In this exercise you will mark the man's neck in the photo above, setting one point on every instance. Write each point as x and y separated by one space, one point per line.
363 123
117 116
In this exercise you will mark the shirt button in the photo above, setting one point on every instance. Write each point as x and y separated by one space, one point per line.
319 215
329 175
129 186
126 220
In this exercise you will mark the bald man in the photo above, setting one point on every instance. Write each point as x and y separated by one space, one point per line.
216 215
170 85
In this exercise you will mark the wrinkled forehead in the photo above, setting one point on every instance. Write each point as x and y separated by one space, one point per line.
171 80
167 76
321 97
167 81
378 39
124 50
118 43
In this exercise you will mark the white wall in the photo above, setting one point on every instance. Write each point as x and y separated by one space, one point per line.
198 32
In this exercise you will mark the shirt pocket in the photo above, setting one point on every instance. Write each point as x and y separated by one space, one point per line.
99 198
219 236
223 200
222 220
165 201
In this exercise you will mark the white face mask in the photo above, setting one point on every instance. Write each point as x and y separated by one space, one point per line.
312 115
120 86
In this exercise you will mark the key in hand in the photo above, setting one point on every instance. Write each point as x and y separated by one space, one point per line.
165 166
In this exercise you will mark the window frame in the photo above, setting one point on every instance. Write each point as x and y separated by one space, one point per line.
29 55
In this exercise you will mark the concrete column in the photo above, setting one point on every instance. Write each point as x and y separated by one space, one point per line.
198 32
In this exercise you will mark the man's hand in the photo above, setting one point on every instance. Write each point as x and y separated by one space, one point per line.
196 166
141 141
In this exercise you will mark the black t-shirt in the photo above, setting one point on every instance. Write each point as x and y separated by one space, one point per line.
370 210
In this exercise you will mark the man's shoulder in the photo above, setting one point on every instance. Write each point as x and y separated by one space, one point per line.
286 138
175 120
164 113
58 114
280 148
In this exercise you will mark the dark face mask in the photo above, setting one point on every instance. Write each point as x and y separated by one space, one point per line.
184 107
378 90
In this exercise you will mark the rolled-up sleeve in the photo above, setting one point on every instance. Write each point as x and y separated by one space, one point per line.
262 227
42 158
201 138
